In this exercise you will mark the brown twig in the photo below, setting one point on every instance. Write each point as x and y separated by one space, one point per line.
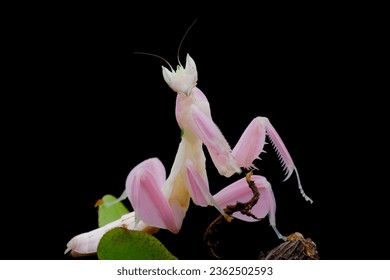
242 207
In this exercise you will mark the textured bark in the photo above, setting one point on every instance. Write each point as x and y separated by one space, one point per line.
295 248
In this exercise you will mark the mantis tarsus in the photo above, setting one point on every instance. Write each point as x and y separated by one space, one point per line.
161 202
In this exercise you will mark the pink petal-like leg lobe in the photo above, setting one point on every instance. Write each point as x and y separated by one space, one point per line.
143 186
240 191
199 189
211 136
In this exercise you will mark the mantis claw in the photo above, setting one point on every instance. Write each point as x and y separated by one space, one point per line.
280 236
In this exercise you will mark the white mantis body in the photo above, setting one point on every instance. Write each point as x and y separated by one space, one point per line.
162 203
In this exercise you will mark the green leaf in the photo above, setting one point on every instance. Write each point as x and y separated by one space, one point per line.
123 244
108 214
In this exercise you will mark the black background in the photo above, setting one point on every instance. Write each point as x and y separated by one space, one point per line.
82 110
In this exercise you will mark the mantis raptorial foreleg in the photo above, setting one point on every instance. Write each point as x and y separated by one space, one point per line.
251 144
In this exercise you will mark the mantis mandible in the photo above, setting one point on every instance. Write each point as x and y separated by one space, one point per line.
161 202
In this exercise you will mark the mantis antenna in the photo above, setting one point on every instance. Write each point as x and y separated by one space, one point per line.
178 49
182 40
155 55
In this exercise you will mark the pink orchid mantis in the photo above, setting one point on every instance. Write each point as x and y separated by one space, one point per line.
162 203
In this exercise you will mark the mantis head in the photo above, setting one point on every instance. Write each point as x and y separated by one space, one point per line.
184 79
